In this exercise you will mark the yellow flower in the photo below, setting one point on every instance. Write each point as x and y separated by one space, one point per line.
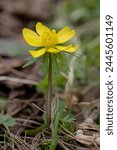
47 40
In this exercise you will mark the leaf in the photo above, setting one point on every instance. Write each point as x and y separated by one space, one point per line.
64 61
55 64
7 121
43 84
68 118
55 129
36 131
10 122
30 60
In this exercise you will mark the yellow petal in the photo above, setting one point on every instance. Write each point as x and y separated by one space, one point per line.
37 53
31 37
53 30
65 34
61 48
53 50
71 49
40 28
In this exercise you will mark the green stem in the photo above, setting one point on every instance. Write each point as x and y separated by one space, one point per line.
49 92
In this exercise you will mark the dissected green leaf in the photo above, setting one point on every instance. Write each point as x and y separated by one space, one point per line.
68 118
29 61
55 130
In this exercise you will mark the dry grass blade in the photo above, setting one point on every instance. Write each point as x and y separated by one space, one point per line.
17 80
84 139
62 145
85 126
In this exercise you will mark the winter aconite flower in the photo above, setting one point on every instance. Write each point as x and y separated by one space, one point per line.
47 40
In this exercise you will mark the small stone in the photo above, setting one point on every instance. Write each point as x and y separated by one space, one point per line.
89 121
79 131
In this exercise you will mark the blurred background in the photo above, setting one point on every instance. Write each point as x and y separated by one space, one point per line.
16 82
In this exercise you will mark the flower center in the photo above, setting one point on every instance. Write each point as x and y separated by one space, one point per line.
49 38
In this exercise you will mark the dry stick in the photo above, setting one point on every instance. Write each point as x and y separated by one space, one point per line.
62 145
17 80
16 100
38 107
29 121
48 104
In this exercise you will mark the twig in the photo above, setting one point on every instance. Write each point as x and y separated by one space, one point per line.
30 121
15 100
62 145
38 107
17 80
